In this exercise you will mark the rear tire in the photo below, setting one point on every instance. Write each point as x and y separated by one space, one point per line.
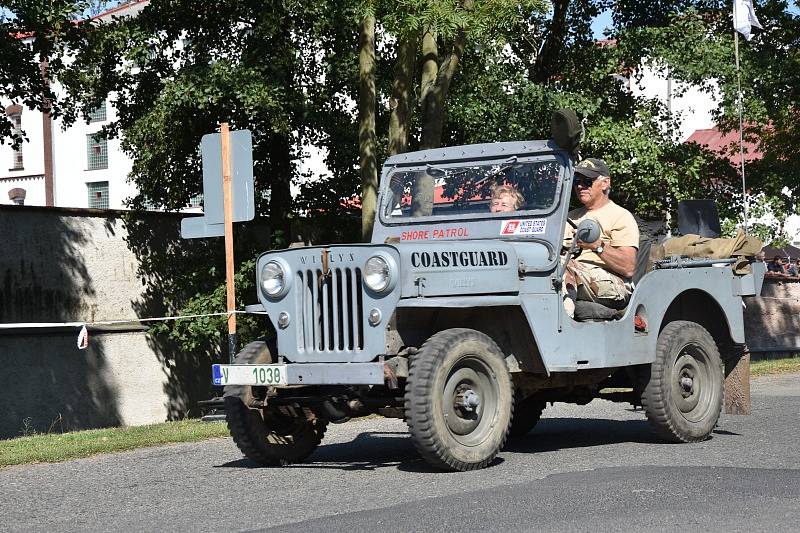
264 434
459 400
527 414
683 397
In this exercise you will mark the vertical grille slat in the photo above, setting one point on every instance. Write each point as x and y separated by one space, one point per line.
347 299
336 311
308 323
324 284
300 300
317 309
358 313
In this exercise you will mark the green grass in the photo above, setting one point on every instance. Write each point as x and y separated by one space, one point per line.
774 366
54 448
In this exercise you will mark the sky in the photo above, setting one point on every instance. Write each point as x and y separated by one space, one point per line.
600 23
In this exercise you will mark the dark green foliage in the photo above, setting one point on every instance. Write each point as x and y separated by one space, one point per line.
288 71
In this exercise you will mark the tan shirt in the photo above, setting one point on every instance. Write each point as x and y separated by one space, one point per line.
619 229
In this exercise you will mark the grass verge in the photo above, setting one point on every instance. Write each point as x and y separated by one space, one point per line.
774 366
54 448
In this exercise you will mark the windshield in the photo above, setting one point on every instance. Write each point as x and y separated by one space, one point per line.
488 189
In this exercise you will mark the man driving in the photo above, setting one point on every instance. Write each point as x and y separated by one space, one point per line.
602 272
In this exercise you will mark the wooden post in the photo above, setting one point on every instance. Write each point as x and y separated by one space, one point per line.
737 382
227 201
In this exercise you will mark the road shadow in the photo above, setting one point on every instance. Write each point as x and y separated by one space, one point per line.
552 434
374 450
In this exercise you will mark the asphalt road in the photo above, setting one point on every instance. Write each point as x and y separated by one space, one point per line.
591 468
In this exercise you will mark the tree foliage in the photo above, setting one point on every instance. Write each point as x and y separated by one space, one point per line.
446 72
34 40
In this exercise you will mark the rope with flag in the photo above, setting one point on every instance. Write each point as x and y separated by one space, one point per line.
744 19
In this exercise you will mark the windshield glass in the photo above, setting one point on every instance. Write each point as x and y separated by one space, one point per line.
487 189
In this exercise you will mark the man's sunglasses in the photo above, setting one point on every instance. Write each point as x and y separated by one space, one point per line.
583 181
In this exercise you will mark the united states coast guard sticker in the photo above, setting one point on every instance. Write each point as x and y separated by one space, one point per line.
533 226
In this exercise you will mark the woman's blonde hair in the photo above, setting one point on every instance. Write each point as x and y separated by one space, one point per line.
500 190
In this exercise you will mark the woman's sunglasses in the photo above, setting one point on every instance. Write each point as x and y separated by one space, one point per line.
583 181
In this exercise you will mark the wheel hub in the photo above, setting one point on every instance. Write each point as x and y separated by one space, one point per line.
468 400
687 384
690 386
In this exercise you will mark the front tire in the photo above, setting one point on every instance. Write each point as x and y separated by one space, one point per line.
459 400
267 435
683 398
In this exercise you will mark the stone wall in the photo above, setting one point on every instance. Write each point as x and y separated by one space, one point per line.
66 265
772 322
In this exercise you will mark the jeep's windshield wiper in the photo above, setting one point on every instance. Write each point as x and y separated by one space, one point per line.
443 172
499 170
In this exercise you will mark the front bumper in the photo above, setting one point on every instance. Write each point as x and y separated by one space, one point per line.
281 375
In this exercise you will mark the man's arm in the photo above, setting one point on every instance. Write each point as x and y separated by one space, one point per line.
620 260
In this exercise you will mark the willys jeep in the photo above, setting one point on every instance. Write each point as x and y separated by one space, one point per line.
452 318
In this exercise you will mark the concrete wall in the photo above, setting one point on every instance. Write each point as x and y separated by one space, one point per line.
60 265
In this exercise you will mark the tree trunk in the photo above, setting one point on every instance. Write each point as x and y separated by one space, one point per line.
280 199
430 71
434 93
547 61
366 126
401 94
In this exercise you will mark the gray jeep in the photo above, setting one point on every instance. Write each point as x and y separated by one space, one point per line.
452 318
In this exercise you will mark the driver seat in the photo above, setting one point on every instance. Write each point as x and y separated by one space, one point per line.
586 311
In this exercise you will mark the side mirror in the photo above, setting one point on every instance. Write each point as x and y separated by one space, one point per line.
589 230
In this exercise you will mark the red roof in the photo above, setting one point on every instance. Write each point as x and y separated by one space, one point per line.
116 10
136 5
726 145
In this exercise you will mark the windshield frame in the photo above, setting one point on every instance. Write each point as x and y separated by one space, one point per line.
463 217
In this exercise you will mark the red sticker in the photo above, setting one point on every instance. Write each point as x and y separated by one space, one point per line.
509 227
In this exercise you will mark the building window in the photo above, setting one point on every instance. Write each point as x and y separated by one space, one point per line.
96 152
98 194
98 114
196 201
16 161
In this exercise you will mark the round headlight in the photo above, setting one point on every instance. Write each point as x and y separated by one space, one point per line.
376 273
273 279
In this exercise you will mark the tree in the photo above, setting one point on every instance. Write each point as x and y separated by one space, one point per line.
555 62
34 37
366 119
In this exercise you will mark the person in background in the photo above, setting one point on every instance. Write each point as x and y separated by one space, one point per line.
791 268
776 266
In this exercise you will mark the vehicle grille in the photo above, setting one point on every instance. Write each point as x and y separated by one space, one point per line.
331 308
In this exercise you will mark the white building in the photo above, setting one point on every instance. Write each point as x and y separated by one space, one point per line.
70 167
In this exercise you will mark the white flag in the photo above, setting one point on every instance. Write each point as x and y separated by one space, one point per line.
744 17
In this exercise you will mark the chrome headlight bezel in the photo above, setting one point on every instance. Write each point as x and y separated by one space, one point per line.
285 275
389 268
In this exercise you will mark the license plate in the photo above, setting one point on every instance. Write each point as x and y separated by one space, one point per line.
249 374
